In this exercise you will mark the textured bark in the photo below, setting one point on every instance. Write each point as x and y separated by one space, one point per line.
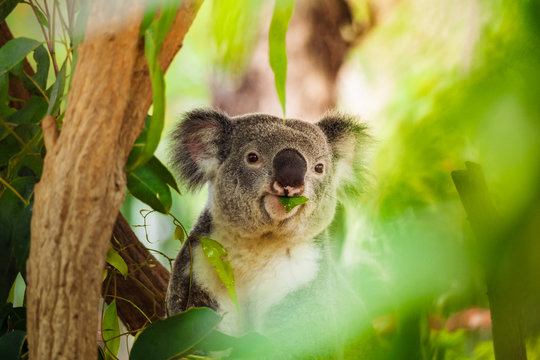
140 297
83 184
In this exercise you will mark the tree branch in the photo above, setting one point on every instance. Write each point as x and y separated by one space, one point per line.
144 288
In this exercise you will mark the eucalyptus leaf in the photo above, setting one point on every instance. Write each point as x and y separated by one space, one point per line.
252 346
32 113
57 92
291 202
283 10
21 238
110 330
179 234
154 35
115 260
215 254
175 336
5 110
14 51
146 185
163 173
41 56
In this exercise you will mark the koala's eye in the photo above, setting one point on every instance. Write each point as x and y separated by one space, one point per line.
252 158
319 168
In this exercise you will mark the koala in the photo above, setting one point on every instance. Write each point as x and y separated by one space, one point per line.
249 162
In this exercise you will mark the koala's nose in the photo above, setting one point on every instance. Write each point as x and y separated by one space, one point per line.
289 171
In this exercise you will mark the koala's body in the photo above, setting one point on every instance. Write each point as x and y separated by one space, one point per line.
248 161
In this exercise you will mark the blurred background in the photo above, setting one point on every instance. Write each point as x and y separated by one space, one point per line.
439 83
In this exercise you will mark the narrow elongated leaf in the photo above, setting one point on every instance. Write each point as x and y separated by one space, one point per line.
32 113
5 110
21 238
291 202
14 51
6 6
175 336
138 147
41 56
110 330
57 92
215 253
146 185
283 10
11 207
116 261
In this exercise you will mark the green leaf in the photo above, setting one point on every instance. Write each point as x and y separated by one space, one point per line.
215 253
21 238
291 202
11 236
154 36
5 110
138 147
164 174
14 51
57 92
41 56
179 234
174 336
116 261
110 330
283 10
6 6
41 16
11 344
32 113
252 346
146 185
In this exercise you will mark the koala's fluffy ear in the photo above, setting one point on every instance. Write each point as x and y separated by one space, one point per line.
346 137
200 144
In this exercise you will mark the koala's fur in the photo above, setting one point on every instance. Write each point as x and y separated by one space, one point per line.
273 254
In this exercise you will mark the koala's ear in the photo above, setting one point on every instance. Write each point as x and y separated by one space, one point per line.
200 144
345 135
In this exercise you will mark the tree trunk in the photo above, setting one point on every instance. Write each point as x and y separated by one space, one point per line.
83 184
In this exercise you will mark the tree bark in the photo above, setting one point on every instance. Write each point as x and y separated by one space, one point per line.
83 184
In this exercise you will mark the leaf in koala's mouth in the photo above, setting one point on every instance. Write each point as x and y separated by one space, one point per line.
291 202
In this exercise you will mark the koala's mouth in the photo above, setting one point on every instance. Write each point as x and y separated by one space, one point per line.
274 208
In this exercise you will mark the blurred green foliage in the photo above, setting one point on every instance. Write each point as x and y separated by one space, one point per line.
460 82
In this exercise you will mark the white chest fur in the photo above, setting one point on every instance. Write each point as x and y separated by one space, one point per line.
265 272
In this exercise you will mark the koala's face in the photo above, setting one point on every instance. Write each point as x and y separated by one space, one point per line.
251 160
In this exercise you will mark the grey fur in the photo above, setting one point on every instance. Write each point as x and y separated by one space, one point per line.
210 147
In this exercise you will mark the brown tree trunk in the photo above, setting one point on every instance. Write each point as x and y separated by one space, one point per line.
83 184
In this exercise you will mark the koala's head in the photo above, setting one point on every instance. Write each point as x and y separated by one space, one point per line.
250 160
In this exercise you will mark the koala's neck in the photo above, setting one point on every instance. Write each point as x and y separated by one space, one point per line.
263 242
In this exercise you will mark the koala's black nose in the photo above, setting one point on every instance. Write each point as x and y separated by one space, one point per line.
289 171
